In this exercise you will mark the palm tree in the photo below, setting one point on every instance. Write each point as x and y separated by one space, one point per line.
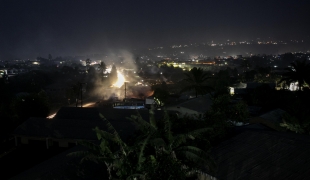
298 72
196 80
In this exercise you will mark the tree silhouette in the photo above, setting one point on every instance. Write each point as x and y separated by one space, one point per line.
298 72
102 68
31 105
156 153
161 96
222 114
113 74
287 58
88 61
196 80
245 64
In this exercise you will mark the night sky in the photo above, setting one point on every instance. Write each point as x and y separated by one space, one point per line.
31 28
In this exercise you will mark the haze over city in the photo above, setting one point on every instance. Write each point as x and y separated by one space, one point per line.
74 27
154 90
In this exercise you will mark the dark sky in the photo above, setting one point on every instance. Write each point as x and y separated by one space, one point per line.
31 28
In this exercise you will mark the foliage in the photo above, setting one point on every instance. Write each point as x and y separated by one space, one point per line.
196 80
287 58
72 92
164 167
221 82
88 62
265 75
217 117
102 68
223 113
156 153
220 125
248 76
68 70
161 96
171 73
246 64
7 116
297 116
239 112
263 96
292 123
31 82
298 72
113 152
31 105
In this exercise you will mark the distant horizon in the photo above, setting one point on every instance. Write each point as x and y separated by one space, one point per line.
36 28
305 45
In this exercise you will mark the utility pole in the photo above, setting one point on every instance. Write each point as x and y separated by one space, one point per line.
125 91
81 92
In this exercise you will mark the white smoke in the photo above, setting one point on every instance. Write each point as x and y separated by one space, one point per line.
126 68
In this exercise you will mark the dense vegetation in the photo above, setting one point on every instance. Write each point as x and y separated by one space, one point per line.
172 147
162 149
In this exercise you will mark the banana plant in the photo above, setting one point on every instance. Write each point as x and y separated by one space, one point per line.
156 152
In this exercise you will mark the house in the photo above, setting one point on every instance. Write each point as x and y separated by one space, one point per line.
254 152
245 88
194 106
62 167
38 138
271 119
72 124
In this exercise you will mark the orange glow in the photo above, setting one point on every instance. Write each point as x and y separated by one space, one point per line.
120 80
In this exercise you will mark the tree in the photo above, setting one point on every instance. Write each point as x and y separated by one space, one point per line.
72 93
155 153
223 113
113 75
196 80
245 64
31 105
297 116
248 76
32 81
161 96
6 111
173 154
287 58
221 82
263 96
102 68
298 72
88 61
